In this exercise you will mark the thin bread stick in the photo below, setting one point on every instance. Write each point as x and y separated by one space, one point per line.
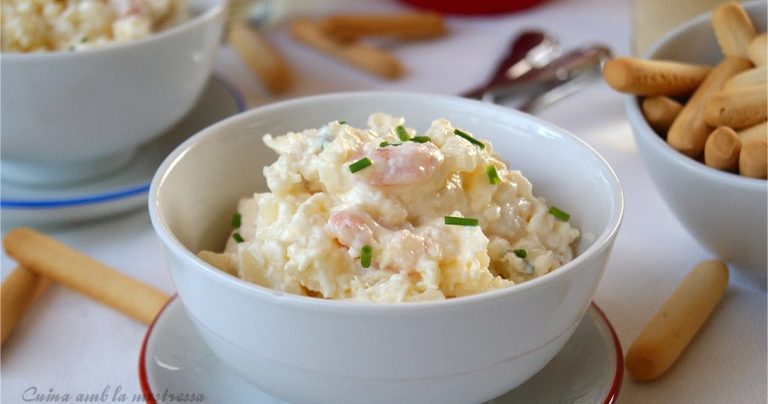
261 57
368 58
722 149
733 29
407 26
758 49
759 131
753 160
63 265
737 108
754 76
19 291
678 320
653 77
660 111
689 131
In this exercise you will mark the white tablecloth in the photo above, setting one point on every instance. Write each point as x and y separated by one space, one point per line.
68 344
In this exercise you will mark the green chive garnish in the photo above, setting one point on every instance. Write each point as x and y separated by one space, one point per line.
236 219
421 139
342 122
461 221
238 237
468 138
493 175
521 253
365 256
402 133
359 164
559 214
385 144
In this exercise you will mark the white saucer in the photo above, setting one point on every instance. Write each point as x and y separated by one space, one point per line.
174 361
124 190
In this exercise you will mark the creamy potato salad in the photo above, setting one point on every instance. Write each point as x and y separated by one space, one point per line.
386 214
56 25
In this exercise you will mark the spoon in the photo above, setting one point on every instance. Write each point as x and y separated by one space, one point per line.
569 74
529 50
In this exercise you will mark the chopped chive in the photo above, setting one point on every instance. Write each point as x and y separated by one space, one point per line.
236 220
238 237
84 39
521 253
493 175
461 221
559 214
342 122
402 133
385 144
470 139
365 256
421 139
360 164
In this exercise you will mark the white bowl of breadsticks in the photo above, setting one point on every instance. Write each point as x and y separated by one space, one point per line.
697 107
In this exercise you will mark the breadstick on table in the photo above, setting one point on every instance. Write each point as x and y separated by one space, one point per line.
722 149
408 25
261 57
753 159
368 58
653 77
19 291
759 131
689 131
62 264
678 320
750 77
737 108
758 49
660 111
733 29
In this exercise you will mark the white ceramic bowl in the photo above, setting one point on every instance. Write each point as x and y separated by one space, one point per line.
68 116
725 212
305 349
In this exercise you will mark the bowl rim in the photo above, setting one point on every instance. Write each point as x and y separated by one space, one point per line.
602 241
210 10
644 130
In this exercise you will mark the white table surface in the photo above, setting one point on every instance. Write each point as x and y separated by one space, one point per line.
68 344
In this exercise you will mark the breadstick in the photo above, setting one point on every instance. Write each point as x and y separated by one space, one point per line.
721 151
759 131
409 25
19 291
757 49
263 59
653 77
733 29
737 108
678 320
689 131
753 160
660 111
750 77
368 58
83 274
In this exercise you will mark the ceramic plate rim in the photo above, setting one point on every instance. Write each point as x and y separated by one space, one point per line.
610 398
117 193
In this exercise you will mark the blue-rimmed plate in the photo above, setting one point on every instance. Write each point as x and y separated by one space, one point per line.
124 190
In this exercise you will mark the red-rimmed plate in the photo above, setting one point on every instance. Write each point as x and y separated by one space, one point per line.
175 365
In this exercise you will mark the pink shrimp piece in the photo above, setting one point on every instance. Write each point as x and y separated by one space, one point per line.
126 8
351 228
406 164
